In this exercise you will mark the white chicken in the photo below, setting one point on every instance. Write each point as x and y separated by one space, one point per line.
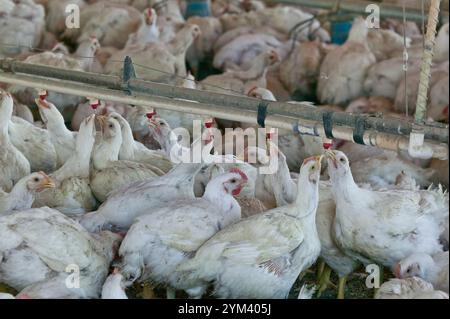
344 69
62 138
24 192
34 143
433 269
160 241
41 244
262 256
123 206
72 194
13 164
109 173
132 150
114 286
368 222
148 32
410 288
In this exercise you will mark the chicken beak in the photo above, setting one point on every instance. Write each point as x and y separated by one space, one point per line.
101 119
47 183
329 154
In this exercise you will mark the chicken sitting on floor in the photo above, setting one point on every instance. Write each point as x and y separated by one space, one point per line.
433 269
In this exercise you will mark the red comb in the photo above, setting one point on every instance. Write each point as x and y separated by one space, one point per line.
238 171
149 12
151 114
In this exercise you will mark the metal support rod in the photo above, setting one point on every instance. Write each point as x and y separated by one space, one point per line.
223 103
427 61
370 137
359 7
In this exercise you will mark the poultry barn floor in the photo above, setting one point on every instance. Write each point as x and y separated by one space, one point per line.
355 288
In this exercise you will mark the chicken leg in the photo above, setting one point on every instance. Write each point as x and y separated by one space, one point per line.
341 287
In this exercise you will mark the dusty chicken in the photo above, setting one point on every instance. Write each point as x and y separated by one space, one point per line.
108 172
433 269
262 256
242 50
80 61
163 62
110 23
368 221
13 164
124 205
202 48
24 192
410 288
131 150
438 92
34 143
281 18
72 194
385 44
234 33
160 241
38 245
344 69
62 138
299 72
238 82
22 23
384 77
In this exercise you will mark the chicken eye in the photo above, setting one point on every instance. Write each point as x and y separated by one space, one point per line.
313 167
342 160
408 270
233 180
111 126
36 179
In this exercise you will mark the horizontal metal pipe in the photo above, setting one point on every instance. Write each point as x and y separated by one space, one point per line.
386 141
437 132
387 10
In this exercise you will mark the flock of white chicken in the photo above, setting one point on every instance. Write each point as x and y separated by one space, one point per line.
93 198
